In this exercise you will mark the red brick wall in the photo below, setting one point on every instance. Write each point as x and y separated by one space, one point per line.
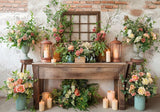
13 5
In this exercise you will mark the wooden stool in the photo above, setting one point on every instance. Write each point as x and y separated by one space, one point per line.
25 63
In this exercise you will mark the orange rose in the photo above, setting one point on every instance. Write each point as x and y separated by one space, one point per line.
20 89
71 48
19 81
146 35
76 92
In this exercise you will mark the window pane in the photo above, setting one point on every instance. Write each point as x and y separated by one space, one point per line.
92 19
75 19
75 36
84 36
75 28
84 28
84 19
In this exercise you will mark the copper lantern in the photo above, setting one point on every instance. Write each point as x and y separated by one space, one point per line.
46 51
116 47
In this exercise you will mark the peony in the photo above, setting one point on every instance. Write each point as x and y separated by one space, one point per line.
131 35
61 31
150 80
137 39
76 92
146 35
132 86
141 74
54 29
10 85
70 47
141 91
133 94
148 75
135 78
147 93
20 89
19 81
143 40
145 81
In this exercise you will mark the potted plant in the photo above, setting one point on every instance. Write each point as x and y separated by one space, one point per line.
140 85
19 87
22 35
140 34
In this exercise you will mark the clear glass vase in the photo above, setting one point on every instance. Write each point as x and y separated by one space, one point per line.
137 50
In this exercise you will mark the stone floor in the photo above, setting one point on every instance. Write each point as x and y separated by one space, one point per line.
153 105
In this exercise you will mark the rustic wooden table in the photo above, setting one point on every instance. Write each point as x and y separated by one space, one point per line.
44 71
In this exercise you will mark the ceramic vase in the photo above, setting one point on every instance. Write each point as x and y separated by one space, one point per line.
21 102
25 50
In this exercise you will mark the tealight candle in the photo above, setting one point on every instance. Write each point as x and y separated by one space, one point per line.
110 96
41 105
105 102
115 104
49 102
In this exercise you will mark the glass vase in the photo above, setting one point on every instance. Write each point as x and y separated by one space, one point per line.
137 50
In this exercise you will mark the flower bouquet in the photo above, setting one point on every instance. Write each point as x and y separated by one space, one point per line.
19 87
140 33
140 85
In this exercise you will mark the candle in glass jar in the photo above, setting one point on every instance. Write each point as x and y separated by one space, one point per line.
108 56
110 96
46 52
49 102
115 104
41 105
105 102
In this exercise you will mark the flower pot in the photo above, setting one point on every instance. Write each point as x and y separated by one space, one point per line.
25 50
137 50
21 102
139 102
80 60
102 58
69 59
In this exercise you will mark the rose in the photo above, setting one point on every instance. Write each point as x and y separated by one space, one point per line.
143 40
137 39
94 29
147 93
96 39
19 40
19 81
104 34
132 86
10 79
20 89
146 35
141 90
76 92
24 37
15 83
145 81
125 27
141 74
61 26
61 31
54 34
81 50
30 85
133 94
131 35
58 39
129 32
154 36
130 80
15 90
135 78
98 35
148 75
150 80
102 31
32 34
54 29
70 47
10 85
78 53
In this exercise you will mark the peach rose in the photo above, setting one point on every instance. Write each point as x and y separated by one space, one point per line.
141 74
20 89
19 81
147 93
133 94
54 29
132 87
135 78
76 92
102 31
146 35
81 50
125 27
71 48
33 41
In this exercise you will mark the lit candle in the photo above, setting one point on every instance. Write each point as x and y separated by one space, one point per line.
49 102
105 102
45 96
108 56
41 105
110 96
115 53
115 104
53 60
46 52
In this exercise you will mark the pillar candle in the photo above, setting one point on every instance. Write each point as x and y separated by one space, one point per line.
41 105
108 56
110 96
115 104
105 102
53 60
46 52
49 102
45 96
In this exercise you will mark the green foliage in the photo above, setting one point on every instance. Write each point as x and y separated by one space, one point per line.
77 94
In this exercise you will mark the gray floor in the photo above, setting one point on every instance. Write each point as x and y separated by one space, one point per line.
153 105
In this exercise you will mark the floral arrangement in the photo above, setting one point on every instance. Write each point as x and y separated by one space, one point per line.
22 33
140 83
19 84
77 94
99 42
140 32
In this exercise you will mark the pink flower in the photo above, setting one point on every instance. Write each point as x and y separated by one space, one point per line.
130 80
61 105
141 74
61 31
94 29
61 26
71 48
104 34
140 29
102 31
81 50
146 35
143 40
147 93
15 83
54 34
32 34
133 94
76 92
20 89
135 78
125 27
15 91
10 79
98 35
78 53
10 39
96 39
54 30
19 81
24 37
58 39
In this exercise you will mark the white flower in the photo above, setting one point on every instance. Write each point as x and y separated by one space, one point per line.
131 35
69 92
150 80
141 91
10 85
72 102
73 96
10 91
128 40
87 45
73 88
129 32
67 95
148 75
137 39
145 81
30 85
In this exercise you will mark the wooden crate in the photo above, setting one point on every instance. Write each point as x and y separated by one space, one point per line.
80 60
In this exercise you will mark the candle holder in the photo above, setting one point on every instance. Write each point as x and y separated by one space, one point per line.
116 47
46 51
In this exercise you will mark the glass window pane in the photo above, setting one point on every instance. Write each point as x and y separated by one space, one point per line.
84 19
75 28
92 19
84 28
75 19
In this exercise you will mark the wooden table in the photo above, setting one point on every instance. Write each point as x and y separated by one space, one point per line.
79 71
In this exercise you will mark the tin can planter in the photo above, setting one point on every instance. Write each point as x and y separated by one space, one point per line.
21 102
70 59
80 59
139 102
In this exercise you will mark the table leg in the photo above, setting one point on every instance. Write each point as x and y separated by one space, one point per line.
116 87
25 67
22 68
36 87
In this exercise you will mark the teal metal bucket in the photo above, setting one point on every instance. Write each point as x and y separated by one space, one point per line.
139 102
21 102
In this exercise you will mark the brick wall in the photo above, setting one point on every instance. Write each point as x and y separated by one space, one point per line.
13 5
153 4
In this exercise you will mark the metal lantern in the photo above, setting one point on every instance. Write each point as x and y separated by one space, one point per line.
46 51
116 48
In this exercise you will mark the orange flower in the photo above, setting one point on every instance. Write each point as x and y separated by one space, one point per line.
76 92
54 30
125 27
33 42
135 77
132 87
19 81
71 48
20 89
146 35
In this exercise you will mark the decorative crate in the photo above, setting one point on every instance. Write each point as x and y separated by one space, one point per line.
80 60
